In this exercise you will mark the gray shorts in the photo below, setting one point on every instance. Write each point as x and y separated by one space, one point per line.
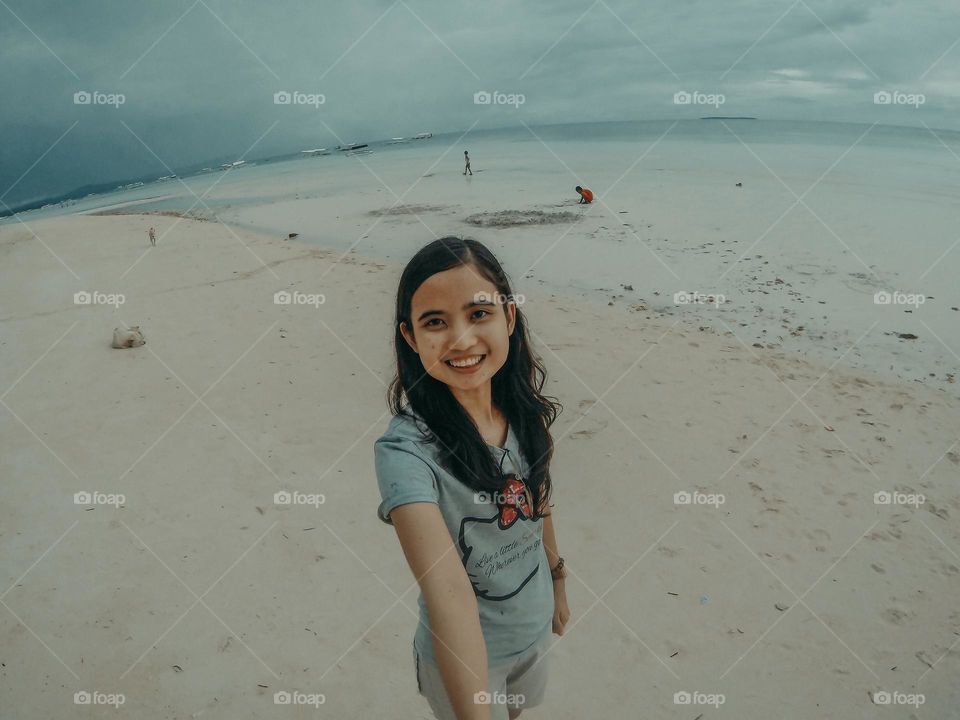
526 676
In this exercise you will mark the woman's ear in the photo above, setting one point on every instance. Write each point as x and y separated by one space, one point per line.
408 336
511 316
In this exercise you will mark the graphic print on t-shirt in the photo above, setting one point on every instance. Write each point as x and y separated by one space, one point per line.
511 513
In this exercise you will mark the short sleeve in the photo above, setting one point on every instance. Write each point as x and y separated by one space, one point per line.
403 476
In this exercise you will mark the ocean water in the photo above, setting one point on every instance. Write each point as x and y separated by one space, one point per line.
930 149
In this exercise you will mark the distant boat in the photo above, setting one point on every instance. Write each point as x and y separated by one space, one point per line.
352 146
422 136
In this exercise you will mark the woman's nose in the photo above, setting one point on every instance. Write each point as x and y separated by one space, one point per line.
464 337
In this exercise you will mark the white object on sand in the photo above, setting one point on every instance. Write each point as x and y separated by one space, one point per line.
129 338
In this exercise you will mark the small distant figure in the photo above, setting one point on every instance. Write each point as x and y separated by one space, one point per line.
153 237
586 197
466 159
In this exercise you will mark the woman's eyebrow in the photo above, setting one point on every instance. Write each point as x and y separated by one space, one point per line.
429 313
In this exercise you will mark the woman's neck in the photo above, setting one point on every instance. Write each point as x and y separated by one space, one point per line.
478 404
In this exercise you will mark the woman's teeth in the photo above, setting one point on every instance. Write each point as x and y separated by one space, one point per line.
467 362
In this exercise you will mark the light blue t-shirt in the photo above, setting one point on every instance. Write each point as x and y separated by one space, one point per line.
501 549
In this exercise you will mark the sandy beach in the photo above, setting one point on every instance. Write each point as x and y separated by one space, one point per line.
715 487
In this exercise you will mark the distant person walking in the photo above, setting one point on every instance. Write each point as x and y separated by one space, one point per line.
586 197
153 237
466 159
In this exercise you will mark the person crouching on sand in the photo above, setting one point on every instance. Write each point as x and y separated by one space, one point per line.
586 197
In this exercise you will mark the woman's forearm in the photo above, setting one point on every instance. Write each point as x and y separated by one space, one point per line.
461 653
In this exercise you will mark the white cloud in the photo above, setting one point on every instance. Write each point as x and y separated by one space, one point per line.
791 73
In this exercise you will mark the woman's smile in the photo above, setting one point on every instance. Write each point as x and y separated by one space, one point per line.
469 363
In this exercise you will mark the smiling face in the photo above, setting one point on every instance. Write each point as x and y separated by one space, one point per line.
455 316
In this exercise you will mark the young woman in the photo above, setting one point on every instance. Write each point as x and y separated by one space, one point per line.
464 476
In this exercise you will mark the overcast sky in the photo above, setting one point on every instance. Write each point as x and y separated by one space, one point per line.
198 77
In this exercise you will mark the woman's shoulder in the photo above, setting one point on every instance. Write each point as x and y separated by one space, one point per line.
405 427
407 432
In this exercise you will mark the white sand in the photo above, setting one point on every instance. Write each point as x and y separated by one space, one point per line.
665 598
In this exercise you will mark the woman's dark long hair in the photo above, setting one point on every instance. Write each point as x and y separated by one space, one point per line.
515 388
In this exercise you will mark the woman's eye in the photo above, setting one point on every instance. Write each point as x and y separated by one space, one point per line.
485 313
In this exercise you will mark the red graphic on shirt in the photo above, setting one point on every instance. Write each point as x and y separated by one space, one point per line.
513 502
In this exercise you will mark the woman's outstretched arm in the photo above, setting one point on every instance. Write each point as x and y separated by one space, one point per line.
458 642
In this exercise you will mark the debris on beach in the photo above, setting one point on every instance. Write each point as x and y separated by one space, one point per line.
906 336
128 338
520 218
291 236
406 210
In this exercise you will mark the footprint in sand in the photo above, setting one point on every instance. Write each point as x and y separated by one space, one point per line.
588 433
867 283
894 616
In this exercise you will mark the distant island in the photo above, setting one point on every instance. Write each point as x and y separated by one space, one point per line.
727 117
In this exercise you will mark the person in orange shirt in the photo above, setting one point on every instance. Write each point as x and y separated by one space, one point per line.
585 195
